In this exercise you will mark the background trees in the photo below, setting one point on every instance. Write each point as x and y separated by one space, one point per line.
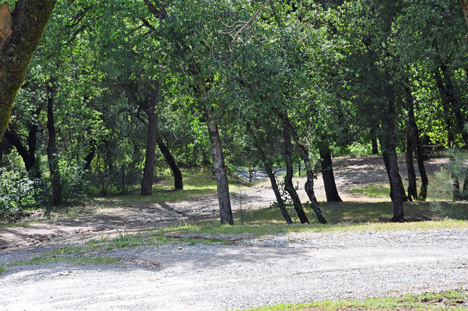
305 80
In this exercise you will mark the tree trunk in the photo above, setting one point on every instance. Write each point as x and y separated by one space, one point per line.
456 194
419 150
450 104
52 149
220 169
412 188
178 181
327 175
309 185
90 156
454 102
288 184
375 145
28 155
271 175
148 172
29 20
388 124
274 186
464 193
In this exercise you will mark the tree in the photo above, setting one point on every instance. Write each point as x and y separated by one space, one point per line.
29 21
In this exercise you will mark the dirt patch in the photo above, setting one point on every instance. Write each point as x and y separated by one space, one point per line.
91 220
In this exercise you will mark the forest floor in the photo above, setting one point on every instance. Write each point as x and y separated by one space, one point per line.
110 217
230 272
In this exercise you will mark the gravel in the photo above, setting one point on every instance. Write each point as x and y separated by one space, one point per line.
291 268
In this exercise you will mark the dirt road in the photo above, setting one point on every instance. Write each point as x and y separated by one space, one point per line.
299 267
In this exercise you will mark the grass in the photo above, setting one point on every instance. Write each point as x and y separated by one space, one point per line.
198 182
439 188
450 300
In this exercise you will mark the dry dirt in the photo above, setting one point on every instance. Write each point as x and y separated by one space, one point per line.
92 220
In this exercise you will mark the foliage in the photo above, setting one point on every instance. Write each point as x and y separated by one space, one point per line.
19 192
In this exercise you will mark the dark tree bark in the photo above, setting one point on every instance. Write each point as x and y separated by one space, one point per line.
396 185
375 145
412 188
148 172
419 150
27 154
288 184
220 169
386 160
178 181
271 175
456 194
52 149
327 174
450 104
309 186
274 186
29 20
91 155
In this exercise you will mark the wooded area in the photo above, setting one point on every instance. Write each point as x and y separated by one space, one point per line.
118 91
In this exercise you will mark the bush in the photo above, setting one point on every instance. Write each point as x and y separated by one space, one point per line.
18 193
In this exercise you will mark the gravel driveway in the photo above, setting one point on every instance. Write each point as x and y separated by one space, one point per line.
292 268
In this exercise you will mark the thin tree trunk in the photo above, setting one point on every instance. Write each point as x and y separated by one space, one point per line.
309 185
52 149
178 181
274 186
288 184
148 172
446 104
419 150
397 191
456 194
220 169
271 175
328 176
90 156
455 107
375 145
412 188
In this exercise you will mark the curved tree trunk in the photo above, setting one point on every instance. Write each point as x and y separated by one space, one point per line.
220 169
148 172
309 185
27 154
328 176
417 142
288 184
271 176
178 181
29 20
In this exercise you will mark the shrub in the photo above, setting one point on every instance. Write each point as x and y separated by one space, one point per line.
18 192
